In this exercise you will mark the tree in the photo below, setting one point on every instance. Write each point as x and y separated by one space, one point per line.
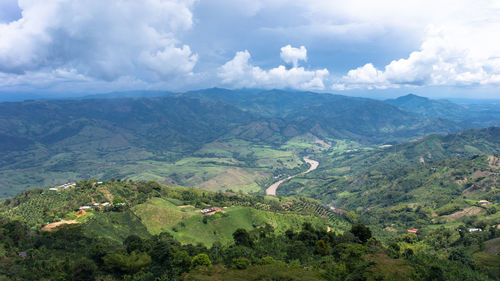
362 232
84 269
322 248
242 238
162 254
133 243
201 260
123 263
436 273
459 254
182 261
296 251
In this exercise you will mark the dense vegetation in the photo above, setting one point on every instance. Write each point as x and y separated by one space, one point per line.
481 115
215 139
153 208
338 170
107 243
391 203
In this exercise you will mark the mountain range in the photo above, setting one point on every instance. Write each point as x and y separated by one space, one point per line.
48 142
172 186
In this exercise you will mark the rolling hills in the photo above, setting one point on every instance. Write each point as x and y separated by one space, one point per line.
148 208
433 181
152 231
475 114
385 159
378 177
216 139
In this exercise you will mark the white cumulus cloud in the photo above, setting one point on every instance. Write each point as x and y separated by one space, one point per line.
239 72
444 58
293 55
456 42
103 40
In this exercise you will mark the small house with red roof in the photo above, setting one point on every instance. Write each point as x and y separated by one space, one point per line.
413 230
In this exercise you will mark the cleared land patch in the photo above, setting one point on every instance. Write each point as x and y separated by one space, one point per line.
465 212
52 226
156 214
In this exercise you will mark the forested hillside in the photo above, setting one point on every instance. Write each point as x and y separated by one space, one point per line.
479 115
144 231
340 169
394 203
215 139
437 181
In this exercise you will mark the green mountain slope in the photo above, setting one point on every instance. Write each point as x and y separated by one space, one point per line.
330 116
476 115
146 209
337 171
149 232
434 193
215 139
428 107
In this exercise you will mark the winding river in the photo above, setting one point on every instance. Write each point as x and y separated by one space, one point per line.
271 190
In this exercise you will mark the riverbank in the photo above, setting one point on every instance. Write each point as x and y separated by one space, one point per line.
313 165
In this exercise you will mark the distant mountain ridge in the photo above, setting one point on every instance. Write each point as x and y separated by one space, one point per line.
331 115
128 94
57 140
429 107
475 115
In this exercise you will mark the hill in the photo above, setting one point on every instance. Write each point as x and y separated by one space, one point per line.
475 115
330 116
422 150
118 209
437 193
429 107
339 172
150 231
215 139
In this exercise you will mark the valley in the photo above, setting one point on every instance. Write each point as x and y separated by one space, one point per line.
215 138
328 187
313 165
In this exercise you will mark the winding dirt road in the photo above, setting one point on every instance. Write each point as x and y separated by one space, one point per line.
271 190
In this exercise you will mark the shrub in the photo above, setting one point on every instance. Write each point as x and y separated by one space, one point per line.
267 260
448 209
241 263
201 260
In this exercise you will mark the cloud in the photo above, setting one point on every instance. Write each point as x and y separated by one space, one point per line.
292 55
443 59
453 42
182 43
239 72
366 76
99 40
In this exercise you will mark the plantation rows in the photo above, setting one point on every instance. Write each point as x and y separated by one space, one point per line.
309 206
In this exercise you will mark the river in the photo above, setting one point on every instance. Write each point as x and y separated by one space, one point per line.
271 190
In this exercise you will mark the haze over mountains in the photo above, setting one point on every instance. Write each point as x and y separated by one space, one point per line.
249 140
51 141
410 172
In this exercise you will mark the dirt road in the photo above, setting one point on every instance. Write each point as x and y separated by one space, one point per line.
271 190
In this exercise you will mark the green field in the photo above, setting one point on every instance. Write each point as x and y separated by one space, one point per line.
232 164
187 224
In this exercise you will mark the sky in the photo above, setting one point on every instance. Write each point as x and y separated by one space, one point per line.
437 48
